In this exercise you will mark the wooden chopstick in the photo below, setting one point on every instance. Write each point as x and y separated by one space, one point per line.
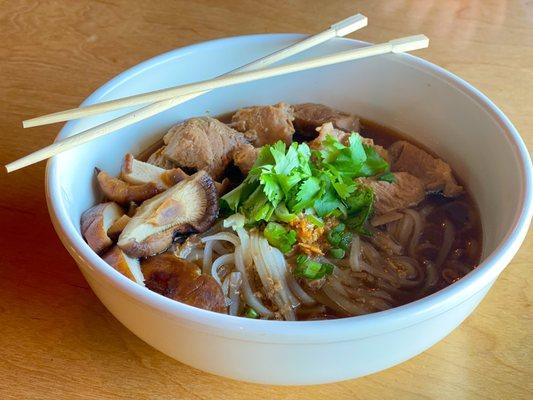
396 46
339 29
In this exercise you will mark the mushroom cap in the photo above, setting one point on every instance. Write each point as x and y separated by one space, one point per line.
183 281
95 223
127 266
189 206
139 173
123 192
118 226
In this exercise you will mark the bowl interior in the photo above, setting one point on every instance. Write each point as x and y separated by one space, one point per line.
398 91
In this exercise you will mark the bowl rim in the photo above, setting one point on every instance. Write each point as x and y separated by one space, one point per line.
300 332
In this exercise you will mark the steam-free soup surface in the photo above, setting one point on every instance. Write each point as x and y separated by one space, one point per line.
290 212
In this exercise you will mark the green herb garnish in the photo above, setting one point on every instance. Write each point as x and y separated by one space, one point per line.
311 269
286 181
251 313
280 237
337 253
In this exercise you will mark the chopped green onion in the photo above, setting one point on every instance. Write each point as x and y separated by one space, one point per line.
314 220
345 240
279 237
339 228
311 269
251 313
337 253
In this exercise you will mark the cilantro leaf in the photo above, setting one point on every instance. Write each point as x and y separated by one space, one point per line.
285 163
360 207
327 203
281 213
306 194
286 180
271 188
257 207
374 164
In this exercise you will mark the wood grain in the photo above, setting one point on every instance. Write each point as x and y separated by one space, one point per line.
57 341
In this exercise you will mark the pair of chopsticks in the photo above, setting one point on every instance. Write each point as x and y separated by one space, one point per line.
162 100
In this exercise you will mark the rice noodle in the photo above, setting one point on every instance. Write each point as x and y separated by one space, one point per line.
404 229
280 264
193 255
408 271
293 285
245 245
425 246
385 242
348 306
276 289
392 228
458 266
235 283
227 236
219 248
366 296
220 261
207 258
248 293
432 276
449 275
225 288
417 230
355 253
386 218
299 291
449 236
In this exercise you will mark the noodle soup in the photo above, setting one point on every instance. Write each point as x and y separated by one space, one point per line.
293 212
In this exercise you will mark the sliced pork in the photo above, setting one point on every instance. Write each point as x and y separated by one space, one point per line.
157 159
406 191
435 174
265 124
202 144
244 157
309 116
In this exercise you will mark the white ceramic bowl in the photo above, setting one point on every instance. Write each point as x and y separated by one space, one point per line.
400 91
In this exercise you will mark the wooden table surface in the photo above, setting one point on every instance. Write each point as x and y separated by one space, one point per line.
58 341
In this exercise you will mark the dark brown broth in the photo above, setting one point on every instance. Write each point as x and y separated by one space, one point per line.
461 212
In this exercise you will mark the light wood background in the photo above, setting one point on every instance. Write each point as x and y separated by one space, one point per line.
57 341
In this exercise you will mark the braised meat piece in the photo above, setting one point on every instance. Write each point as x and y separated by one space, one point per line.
309 116
157 159
406 191
244 157
202 144
435 174
265 124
